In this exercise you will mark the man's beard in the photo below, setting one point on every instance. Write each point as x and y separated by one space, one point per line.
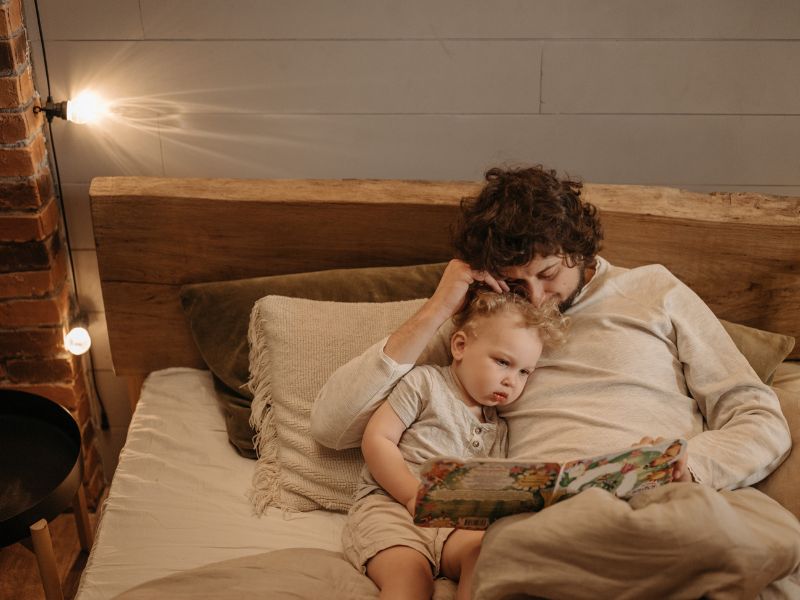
563 306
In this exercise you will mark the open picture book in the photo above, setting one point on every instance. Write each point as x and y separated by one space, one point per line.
473 493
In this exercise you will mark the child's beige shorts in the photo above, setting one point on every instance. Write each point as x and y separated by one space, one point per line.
377 522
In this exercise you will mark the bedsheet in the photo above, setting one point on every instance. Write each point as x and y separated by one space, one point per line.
179 496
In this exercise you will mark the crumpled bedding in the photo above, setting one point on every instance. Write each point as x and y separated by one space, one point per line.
678 541
295 573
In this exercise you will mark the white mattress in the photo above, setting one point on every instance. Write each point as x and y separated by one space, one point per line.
178 498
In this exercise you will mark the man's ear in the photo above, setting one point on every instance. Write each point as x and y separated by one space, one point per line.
457 343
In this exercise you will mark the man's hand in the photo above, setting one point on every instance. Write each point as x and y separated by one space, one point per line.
680 472
452 289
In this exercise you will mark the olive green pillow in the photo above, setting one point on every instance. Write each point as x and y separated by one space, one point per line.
219 314
764 350
783 484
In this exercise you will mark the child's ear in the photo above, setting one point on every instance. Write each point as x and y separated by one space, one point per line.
457 343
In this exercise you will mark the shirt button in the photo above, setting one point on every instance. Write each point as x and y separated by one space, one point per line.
478 431
476 444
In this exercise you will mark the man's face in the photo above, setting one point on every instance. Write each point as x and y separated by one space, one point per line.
545 278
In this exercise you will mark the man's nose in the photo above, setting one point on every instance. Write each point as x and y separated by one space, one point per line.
536 292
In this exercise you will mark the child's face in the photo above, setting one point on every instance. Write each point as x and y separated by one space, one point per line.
494 361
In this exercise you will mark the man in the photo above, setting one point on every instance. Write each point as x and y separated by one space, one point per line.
645 358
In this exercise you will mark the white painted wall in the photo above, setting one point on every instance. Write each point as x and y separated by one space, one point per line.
696 95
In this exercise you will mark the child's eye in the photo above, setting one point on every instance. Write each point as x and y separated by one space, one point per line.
525 372
501 362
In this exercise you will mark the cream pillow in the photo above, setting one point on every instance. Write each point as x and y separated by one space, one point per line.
295 345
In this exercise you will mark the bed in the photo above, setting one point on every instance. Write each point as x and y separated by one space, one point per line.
183 260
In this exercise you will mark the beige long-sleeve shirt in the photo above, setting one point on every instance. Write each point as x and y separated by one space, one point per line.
645 357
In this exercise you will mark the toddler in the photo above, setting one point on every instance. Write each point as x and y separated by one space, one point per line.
436 411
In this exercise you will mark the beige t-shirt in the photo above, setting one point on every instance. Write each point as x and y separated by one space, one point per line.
439 423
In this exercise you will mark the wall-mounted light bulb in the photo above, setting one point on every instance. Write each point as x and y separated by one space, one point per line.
86 107
77 341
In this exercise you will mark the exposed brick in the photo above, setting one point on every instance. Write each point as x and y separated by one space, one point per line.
10 18
35 283
42 341
29 226
20 125
22 161
87 436
43 370
67 394
34 312
29 256
81 413
14 52
91 457
16 89
93 475
94 488
26 193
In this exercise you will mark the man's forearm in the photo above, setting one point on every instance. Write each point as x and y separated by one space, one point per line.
406 344
344 404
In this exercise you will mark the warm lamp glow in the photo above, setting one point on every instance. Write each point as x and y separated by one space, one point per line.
86 107
77 341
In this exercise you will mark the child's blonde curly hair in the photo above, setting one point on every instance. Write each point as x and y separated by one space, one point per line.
547 319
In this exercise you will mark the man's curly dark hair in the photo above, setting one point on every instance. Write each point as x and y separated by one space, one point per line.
521 213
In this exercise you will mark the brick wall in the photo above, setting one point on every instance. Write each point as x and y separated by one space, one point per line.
36 293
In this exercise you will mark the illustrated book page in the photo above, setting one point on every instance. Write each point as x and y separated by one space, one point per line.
473 493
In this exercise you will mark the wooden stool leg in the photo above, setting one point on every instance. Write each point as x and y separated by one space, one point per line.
82 520
43 548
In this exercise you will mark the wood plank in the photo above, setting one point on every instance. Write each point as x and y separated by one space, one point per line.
447 19
161 337
746 273
675 150
202 239
724 78
739 252
317 76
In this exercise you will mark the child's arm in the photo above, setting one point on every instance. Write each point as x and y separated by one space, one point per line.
383 457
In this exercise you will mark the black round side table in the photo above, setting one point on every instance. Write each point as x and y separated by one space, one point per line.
40 476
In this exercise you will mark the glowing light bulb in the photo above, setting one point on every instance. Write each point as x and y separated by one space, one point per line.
86 107
77 341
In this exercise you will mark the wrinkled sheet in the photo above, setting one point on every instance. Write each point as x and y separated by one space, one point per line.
179 496
678 541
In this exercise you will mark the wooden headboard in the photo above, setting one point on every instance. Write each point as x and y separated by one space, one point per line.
739 252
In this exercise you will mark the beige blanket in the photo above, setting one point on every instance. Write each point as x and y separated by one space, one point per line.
296 573
679 541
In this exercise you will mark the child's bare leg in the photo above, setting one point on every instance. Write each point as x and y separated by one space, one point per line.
401 572
459 555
